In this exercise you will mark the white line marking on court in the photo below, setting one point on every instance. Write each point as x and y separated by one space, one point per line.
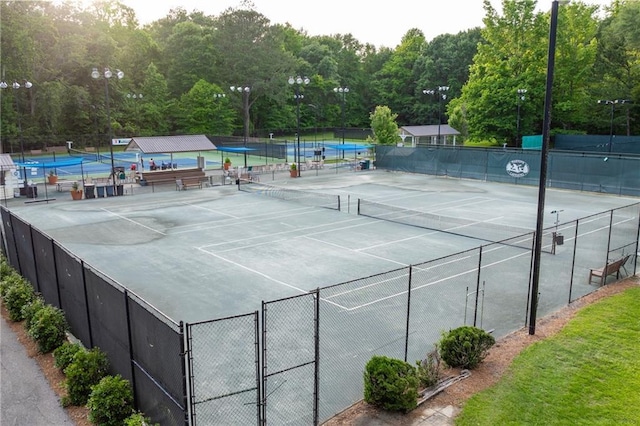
250 219
285 234
350 249
133 221
254 271
474 270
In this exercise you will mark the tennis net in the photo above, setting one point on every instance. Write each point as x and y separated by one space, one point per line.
88 156
314 199
485 231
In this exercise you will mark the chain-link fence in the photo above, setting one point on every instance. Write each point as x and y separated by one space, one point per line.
229 346
142 345
301 360
597 172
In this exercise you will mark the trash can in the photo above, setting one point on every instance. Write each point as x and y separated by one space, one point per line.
100 190
365 165
32 191
89 191
120 189
109 189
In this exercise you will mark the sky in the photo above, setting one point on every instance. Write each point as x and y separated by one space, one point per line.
379 23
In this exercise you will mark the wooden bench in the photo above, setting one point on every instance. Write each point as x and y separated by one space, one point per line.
161 177
188 182
611 268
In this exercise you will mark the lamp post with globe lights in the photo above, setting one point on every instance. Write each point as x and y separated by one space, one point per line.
298 82
342 91
106 76
442 95
15 86
244 92
520 99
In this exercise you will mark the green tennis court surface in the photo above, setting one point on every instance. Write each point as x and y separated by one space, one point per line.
214 252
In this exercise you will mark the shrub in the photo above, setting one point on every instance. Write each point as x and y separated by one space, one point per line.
137 419
111 401
63 355
86 370
17 296
29 310
390 384
429 369
8 281
48 328
5 269
465 346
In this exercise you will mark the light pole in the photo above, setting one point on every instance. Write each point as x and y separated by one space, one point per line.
520 99
442 95
244 91
16 86
546 130
431 92
135 97
613 107
343 93
297 82
95 74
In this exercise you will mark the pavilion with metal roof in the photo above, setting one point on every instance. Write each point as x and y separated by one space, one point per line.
170 144
429 134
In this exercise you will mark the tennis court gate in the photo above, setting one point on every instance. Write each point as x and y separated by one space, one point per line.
246 369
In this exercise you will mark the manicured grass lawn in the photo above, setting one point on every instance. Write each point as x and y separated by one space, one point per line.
587 374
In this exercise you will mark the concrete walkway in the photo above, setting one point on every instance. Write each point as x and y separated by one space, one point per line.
25 395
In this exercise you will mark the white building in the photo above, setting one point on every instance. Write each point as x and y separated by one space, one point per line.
8 177
428 135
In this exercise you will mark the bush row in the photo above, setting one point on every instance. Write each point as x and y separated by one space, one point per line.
108 398
392 384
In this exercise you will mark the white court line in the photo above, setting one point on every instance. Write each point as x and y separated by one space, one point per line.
248 219
254 271
133 221
286 233
350 249
475 269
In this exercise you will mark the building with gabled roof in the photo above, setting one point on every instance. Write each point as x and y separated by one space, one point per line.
428 135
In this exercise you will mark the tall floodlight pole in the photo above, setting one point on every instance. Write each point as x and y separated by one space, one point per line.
244 91
95 74
431 92
546 128
442 96
16 86
521 98
613 107
343 95
297 82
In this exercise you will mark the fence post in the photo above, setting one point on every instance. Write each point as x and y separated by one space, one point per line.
406 334
316 372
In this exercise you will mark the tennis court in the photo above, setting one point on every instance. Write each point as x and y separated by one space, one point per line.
210 253
387 282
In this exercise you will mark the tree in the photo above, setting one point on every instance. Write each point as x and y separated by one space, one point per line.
445 61
512 55
201 112
385 128
395 83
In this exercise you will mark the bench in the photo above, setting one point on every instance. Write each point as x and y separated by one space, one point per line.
611 268
184 183
63 185
160 177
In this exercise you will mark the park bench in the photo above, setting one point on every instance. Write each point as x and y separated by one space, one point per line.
610 269
189 182
161 177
